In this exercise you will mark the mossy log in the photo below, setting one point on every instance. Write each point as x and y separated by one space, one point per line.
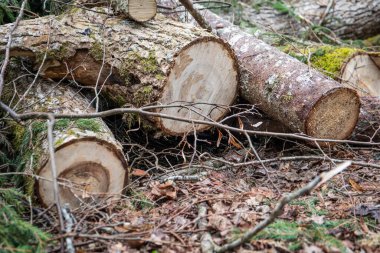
301 98
344 18
161 61
137 10
89 160
350 66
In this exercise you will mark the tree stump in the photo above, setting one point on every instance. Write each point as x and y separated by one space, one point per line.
90 162
160 61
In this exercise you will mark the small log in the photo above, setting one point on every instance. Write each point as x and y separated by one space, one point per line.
352 67
137 10
287 90
89 160
161 61
344 18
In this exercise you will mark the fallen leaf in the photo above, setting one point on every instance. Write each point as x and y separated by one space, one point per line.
233 142
355 185
139 173
219 222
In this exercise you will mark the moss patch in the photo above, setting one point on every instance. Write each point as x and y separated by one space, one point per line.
143 96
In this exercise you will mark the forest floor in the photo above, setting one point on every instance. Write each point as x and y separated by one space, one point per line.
161 215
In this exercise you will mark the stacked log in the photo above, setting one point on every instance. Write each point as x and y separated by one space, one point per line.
90 162
160 61
287 90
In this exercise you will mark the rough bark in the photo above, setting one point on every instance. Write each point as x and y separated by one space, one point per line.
160 61
89 160
287 90
344 18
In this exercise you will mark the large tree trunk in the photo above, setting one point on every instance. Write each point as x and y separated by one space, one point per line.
345 18
160 61
287 90
89 160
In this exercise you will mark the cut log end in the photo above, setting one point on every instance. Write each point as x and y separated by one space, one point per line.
142 10
87 170
204 74
363 73
335 115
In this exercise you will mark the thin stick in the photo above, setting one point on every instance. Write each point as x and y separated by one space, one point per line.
324 177
8 47
53 167
196 15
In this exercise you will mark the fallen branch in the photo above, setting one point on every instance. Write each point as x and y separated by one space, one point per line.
324 177
196 15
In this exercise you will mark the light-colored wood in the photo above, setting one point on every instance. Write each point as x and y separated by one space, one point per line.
362 72
90 162
161 61
142 10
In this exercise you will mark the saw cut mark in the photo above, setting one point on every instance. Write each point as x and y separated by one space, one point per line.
203 75
88 169
363 73
142 10
334 116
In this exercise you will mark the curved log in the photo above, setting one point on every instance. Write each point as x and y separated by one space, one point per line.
160 61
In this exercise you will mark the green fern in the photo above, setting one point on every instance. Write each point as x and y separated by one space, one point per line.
17 235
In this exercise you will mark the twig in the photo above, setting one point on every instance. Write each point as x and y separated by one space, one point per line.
8 47
53 167
196 15
324 177
146 111
182 178
69 219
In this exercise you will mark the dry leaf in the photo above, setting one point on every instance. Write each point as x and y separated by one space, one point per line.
220 136
233 142
355 185
139 173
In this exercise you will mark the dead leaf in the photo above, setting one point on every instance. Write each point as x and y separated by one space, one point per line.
219 222
241 125
166 189
318 219
355 185
139 173
312 249
364 210
233 142
220 136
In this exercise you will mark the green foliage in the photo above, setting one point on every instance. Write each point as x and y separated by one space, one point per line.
294 234
17 235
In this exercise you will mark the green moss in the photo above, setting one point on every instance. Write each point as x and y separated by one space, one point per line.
58 54
145 66
88 124
331 59
143 95
373 41
96 51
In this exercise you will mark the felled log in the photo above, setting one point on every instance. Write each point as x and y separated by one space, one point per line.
345 18
350 66
90 162
137 10
287 90
161 61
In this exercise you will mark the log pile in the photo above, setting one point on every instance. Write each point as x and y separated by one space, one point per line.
288 91
162 62
167 62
